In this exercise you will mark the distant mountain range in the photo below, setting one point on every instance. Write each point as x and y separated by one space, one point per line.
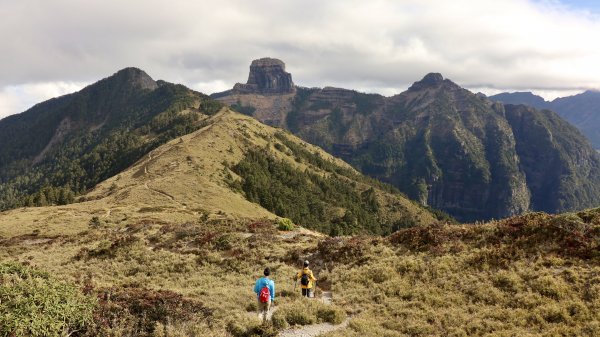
439 143
582 110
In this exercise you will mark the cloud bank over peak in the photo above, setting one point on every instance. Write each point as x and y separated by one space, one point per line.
376 46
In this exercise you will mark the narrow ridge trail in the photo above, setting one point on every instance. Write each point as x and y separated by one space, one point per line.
146 171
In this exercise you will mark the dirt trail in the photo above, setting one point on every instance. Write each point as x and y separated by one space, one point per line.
164 194
308 330
168 196
326 297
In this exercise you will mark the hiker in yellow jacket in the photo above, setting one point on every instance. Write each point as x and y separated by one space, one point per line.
307 280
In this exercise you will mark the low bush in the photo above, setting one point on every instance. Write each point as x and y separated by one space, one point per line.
138 310
550 286
507 281
285 224
333 315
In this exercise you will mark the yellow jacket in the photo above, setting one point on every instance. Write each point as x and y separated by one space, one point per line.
311 277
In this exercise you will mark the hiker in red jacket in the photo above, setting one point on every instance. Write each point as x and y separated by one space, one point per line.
265 293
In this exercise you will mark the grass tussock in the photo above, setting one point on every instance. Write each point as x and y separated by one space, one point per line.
307 312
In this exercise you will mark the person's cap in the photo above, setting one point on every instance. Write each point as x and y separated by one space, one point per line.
305 263
267 271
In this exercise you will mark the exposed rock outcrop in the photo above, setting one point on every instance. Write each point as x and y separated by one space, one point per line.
430 80
267 76
136 78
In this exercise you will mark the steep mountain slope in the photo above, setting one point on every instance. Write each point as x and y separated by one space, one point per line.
62 147
439 143
214 170
581 110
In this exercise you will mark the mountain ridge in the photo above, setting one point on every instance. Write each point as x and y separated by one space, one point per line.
195 175
68 144
135 255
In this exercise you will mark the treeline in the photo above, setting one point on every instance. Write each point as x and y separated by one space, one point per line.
50 196
243 109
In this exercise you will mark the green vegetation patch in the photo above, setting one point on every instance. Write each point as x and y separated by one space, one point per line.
34 304
308 198
285 224
243 109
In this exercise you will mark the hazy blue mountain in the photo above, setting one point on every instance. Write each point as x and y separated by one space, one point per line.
582 110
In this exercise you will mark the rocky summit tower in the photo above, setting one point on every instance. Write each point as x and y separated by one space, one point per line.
267 76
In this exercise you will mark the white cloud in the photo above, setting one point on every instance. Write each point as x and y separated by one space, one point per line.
378 46
14 99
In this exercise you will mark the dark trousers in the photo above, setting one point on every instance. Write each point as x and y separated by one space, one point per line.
306 292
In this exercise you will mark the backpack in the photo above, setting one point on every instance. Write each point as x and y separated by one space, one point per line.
304 280
265 295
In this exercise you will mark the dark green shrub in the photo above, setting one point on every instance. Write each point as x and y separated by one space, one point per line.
140 309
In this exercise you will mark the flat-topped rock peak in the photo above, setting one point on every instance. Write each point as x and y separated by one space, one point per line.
267 76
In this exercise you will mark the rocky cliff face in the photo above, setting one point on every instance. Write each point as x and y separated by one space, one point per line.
267 77
451 149
134 77
562 169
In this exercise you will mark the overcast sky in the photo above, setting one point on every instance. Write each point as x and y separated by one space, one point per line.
50 48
